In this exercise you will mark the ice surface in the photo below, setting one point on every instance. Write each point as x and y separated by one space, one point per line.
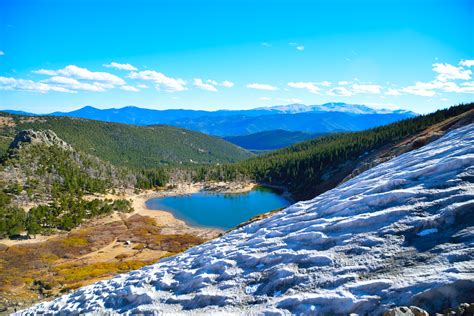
401 233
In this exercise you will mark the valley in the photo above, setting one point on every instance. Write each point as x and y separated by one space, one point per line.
276 158
356 248
74 218
45 266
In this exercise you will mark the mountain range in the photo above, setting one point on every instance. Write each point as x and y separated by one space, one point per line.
325 118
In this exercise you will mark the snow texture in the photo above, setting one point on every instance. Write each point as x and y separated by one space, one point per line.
401 233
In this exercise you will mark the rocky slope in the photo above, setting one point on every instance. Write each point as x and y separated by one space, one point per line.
47 137
401 233
39 163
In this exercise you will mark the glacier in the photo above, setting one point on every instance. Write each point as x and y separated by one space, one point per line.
401 233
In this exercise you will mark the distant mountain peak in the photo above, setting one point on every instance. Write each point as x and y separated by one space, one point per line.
330 107
88 107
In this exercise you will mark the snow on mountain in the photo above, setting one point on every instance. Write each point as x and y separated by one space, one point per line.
401 233
331 107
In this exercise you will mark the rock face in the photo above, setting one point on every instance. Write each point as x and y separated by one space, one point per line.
400 234
406 311
46 137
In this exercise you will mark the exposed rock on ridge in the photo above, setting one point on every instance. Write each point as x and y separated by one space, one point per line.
46 137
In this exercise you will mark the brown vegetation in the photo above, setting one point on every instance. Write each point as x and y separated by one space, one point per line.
34 271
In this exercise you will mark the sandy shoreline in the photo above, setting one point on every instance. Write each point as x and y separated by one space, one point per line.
165 219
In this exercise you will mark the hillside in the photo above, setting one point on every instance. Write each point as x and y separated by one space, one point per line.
128 145
329 117
313 167
68 218
45 174
365 246
270 140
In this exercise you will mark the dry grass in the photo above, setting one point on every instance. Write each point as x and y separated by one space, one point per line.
83 256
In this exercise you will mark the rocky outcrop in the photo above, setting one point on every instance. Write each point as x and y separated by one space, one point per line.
46 137
464 309
406 311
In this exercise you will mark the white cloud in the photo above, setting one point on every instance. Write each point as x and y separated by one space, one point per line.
265 44
129 88
84 74
205 86
261 86
429 89
467 87
227 84
116 65
62 80
366 88
74 84
29 85
339 91
324 83
310 86
297 46
392 91
45 72
265 99
69 79
160 80
450 72
292 100
212 84
442 83
421 88
142 86
467 63
343 83
2 53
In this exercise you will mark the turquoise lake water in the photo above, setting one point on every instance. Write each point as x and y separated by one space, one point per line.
219 210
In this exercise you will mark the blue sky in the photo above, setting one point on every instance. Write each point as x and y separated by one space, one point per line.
62 55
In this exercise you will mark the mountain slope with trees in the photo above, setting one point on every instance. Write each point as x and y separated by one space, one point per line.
129 145
41 169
